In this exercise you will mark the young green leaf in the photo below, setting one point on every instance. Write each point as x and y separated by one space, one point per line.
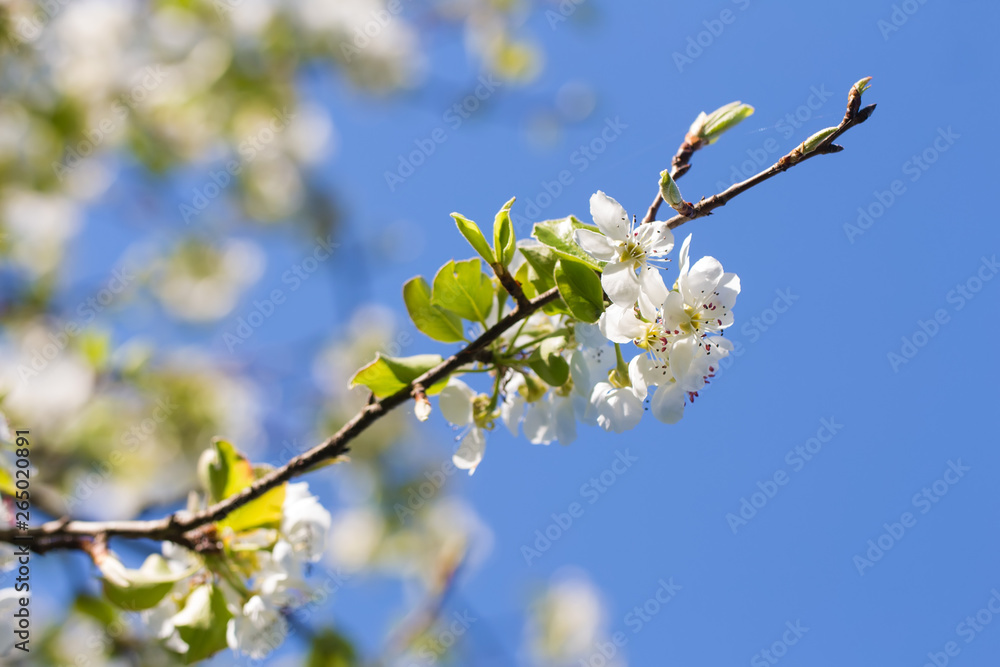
436 322
387 375
581 289
504 241
543 264
558 235
474 236
464 289
202 623
135 590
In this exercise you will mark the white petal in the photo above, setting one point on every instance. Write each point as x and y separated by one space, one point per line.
683 259
565 419
539 425
512 411
609 216
624 411
621 283
597 245
656 239
698 286
652 292
620 325
667 403
470 452
455 401
674 315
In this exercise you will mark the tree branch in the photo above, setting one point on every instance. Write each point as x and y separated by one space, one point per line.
196 530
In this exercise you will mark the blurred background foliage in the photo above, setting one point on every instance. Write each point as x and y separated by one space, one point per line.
196 106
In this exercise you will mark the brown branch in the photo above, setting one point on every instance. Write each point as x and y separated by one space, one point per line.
193 530
197 531
796 156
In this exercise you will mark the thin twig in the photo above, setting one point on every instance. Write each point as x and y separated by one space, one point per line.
197 531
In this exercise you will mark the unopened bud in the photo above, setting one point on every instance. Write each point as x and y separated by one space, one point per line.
813 142
672 195
854 96
707 128
422 408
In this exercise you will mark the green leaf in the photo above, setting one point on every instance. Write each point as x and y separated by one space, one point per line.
330 649
464 289
95 608
554 370
581 289
202 623
523 278
504 241
434 321
543 263
474 236
387 375
558 235
224 472
135 590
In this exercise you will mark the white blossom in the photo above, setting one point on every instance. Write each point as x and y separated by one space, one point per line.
627 248
304 521
257 630
456 403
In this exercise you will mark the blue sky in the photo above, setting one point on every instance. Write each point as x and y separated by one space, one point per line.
849 298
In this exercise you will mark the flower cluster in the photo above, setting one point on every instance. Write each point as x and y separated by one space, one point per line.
198 603
676 333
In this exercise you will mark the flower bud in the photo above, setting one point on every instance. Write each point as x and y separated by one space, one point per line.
422 408
707 128
862 85
672 195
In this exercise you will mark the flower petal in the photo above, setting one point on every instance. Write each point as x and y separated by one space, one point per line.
652 292
667 403
455 401
597 245
656 239
698 285
621 283
470 452
620 325
609 216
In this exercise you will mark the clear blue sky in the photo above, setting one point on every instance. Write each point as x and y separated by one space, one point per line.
824 360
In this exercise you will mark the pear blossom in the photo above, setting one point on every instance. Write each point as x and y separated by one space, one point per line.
627 249
619 409
456 402
705 295
304 521
281 579
257 629
551 417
